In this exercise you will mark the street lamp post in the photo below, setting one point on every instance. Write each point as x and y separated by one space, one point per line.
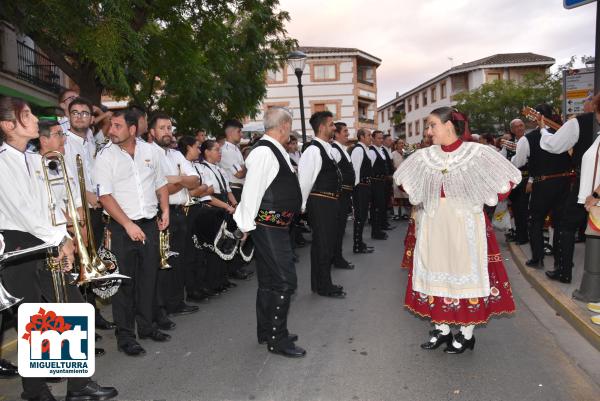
297 60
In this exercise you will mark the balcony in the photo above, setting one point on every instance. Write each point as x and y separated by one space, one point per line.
365 82
366 120
37 69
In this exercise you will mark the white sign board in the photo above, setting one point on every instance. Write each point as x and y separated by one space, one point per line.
578 86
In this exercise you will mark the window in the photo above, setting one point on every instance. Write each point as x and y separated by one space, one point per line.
494 76
443 90
366 75
389 131
424 125
332 106
409 129
277 76
416 102
433 94
417 128
324 72
425 98
409 105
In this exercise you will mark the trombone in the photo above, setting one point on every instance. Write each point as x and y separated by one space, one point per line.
91 267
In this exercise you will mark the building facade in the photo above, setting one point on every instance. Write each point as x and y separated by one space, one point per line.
341 80
26 72
404 116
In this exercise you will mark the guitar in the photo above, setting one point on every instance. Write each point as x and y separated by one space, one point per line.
534 115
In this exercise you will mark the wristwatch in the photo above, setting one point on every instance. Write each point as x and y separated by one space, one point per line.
595 195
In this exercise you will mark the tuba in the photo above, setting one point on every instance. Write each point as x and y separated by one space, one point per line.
91 267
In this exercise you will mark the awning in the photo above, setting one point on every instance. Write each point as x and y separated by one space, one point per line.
4 90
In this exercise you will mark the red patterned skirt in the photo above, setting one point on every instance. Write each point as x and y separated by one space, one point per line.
409 245
468 311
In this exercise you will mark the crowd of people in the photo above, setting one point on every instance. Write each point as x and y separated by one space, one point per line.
182 216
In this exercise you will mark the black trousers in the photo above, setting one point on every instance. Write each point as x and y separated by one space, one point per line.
573 217
342 219
547 197
378 207
170 283
277 281
360 200
520 206
28 278
322 215
134 302
195 259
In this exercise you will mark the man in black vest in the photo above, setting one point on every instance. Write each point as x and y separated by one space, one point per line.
386 148
576 134
550 176
270 199
519 197
378 205
362 161
321 185
342 158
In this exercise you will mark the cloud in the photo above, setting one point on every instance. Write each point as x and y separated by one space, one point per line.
415 38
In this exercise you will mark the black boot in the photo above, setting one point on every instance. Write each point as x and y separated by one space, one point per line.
439 339
459 338
567 246
263 298
278 340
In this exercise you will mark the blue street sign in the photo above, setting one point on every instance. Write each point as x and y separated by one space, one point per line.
575 3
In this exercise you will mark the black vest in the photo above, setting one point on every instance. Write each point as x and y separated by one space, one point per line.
366 169
330 177
346 168
284 192
222 196
586 138
379 167
389 164
542 162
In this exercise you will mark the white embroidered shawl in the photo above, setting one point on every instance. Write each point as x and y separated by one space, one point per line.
471 176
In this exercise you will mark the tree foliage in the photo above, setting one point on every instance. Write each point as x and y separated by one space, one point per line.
492 106
199 60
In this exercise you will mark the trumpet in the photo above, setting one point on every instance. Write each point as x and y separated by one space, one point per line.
165 249
189 200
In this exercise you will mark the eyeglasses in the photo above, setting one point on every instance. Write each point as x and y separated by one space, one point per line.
82 114
59 134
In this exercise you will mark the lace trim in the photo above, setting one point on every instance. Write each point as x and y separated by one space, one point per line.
471 176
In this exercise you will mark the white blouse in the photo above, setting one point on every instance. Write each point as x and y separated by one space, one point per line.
586 187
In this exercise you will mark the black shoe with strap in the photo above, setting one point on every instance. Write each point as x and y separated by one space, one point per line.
92 392
7 369
291 337
439 339
132 348
535 263
465 344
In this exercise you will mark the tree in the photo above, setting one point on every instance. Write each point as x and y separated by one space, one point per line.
199 60
495 104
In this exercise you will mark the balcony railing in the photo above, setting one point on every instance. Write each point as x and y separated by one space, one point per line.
34 67
365 82
366 120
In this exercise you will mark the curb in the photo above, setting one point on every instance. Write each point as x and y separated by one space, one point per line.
562 304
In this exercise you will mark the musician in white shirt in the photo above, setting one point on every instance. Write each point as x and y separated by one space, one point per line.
232 160
132 186
25 223
181 178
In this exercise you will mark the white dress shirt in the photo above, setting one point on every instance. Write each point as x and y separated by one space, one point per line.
379 149
310 167
216 175
132 181
586 187
171 163
522 153
562 140
336 153
23 198
86 147
206 177
357 158
295 156
263 167
232 161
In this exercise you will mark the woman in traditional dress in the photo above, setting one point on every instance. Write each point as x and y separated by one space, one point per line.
457 276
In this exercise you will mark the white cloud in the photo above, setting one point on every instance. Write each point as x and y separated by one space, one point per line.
415 38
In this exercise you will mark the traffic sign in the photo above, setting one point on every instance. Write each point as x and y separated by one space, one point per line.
575 3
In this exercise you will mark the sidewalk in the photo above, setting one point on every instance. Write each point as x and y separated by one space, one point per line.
558 295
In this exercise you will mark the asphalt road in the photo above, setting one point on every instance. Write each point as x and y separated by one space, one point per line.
365 347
